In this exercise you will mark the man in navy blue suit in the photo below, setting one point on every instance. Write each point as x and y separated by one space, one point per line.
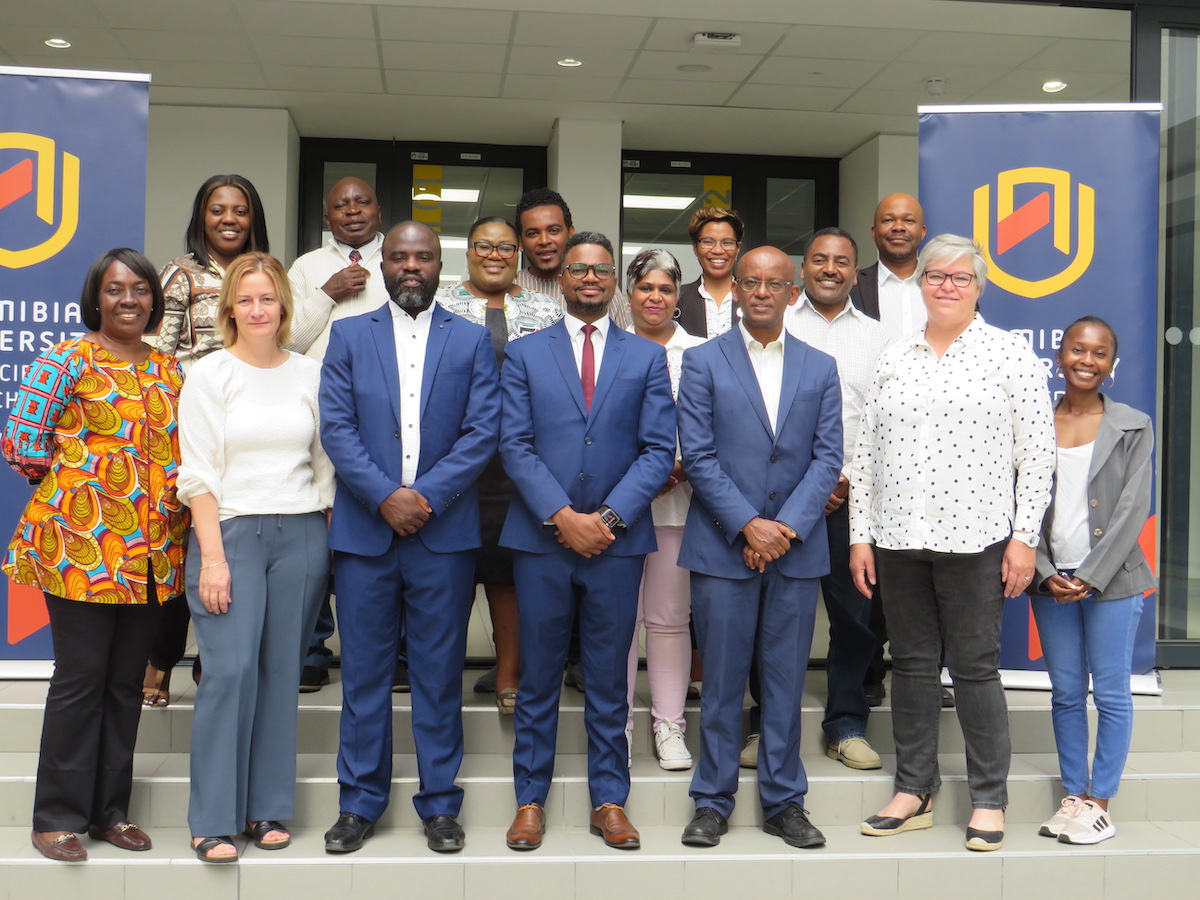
588 438
409 409
761 433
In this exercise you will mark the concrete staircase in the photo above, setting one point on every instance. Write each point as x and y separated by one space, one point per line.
1155 854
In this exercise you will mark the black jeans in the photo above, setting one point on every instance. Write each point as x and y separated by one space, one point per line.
85 768
956 601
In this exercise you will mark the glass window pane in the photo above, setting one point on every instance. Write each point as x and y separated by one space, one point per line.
791 214
658 207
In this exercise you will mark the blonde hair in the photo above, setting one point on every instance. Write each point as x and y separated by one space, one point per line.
239 269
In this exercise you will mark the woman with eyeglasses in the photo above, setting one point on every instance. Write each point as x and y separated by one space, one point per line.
706 306
950 480
490 298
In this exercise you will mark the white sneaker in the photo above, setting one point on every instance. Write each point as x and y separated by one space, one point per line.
749 757
1091 825
670 747
1066 812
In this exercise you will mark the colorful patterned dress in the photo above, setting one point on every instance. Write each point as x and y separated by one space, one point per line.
100 433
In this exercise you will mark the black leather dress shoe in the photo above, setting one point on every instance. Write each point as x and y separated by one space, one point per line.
348 833
312 679
874 694
793 826
444 834
705 829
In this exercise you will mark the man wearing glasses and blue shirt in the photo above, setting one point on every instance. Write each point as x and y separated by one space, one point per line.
588 439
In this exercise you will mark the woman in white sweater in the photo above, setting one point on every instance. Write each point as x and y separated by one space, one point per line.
258 483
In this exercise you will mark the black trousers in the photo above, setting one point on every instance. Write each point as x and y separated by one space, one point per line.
85 768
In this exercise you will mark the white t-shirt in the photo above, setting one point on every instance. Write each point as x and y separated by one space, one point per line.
1070 541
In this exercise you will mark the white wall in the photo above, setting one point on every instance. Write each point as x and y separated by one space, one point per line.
584 163
187 144
884 165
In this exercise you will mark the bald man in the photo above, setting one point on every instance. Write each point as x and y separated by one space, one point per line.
887 291
760 427
340 279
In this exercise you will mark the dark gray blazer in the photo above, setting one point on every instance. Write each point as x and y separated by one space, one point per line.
692 316
865 294
1119 484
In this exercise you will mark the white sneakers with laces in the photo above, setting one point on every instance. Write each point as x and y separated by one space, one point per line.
1066 812
1089 825
670 747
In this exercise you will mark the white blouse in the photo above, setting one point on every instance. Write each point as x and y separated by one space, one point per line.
251 437
1070 534
953 453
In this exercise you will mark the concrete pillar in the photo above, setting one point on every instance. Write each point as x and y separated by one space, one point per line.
584 163
884 165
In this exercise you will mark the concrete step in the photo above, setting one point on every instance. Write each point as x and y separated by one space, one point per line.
1158 859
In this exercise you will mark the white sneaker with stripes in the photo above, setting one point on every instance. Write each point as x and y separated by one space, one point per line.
1066 812
1090 825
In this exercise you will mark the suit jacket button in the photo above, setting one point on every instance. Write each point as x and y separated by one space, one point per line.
581 476
1098 532
774 458
587 441
1095 503
773 495
397 434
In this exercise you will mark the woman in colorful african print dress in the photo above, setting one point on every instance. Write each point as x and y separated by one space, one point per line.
94 427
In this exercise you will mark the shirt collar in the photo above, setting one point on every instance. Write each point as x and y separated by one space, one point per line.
574 325
750 340
885 275
420 317
972 335
366 249
849 309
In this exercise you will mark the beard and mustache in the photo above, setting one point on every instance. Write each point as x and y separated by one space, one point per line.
410 298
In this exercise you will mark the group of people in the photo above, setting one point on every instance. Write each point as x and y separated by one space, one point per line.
695 458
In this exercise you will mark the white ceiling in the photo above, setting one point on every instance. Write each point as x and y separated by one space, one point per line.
817 78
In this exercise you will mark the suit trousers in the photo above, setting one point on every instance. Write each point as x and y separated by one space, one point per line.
431 594
551 587
85 766
243 754
767 616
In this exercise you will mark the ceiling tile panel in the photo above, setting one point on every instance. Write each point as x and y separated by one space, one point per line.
282 50
180 15
466 26
535 87
312 78
442 84
190 74
1085 56
440 57
778 96
910 76
29 40
580 33
961 49
676 93
837 42
48 13
335 20
664 64
837 73
215 47
598 61
1024 85
897 103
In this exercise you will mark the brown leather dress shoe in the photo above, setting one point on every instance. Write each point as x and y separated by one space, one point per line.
125 835
525 833
609 821
63 846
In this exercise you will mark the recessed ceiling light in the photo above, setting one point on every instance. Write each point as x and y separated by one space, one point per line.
57 43
1053 87
693 67
570 63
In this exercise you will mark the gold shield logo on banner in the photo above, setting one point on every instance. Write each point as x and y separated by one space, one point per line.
21 180
1015 225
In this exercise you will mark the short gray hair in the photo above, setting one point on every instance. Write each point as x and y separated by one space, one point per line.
652 259
948 248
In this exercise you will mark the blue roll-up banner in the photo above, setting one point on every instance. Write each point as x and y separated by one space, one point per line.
72 185
1063 200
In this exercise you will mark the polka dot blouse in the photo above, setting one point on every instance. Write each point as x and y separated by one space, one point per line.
953 453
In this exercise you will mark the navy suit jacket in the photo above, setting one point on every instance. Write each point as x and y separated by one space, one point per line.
558 454
360 428
738 469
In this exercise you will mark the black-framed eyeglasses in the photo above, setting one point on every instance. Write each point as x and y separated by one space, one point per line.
708 243
751 285
602 271
958 279
485 248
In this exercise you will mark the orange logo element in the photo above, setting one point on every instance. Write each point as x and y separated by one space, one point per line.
1014 225
26 611
21 180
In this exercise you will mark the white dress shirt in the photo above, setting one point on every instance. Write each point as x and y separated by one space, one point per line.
575 332
901 309
855 341
955 453
314 311
768 369
718 319
412 338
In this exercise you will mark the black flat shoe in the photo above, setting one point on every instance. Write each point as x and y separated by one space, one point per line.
977 839
444 834
348 833
883 826
705 829
793 826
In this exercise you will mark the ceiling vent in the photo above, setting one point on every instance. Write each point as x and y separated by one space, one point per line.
716 40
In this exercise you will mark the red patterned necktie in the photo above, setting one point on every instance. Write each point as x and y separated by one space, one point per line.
587 370
355 257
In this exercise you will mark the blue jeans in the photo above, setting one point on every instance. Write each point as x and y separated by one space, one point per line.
1090 636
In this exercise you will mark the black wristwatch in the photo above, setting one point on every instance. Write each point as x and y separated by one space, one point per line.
610 518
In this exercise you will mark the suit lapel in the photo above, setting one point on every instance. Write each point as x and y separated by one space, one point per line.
793 366
564 355
1108 436
439 331
385 345
610 365
738 357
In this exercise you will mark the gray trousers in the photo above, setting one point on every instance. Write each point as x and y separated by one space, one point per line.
243 755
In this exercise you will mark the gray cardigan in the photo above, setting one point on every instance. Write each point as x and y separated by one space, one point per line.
1119 483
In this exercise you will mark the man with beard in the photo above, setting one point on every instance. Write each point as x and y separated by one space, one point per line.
588 439
409 412
887 290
